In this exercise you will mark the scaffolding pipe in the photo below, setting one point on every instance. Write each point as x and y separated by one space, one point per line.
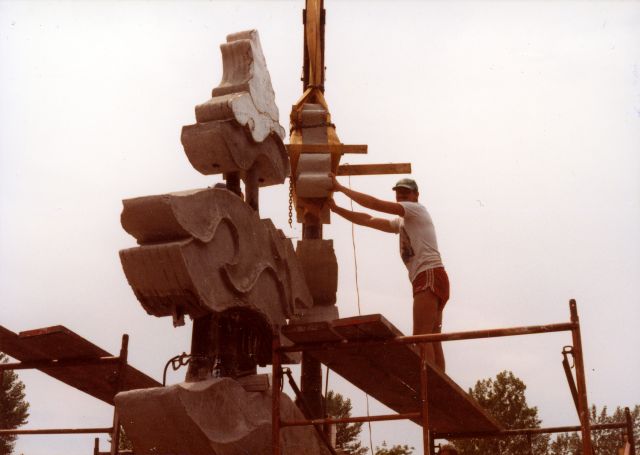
275 395
377 418
57 431
57 363
580 379
424 395
433 337
527 431
630 436
124 355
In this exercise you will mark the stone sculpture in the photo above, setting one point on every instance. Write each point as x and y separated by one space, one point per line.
207 254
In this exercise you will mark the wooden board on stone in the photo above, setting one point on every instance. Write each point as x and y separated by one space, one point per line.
391 372
60 343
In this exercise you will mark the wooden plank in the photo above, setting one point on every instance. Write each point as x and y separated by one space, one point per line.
327 148
364 372
374 169
57 343
404 362
391 374
371 326
311 332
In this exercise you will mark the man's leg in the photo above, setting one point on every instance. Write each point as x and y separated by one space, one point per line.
427 318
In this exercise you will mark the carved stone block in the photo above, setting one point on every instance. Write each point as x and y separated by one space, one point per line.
225 146
206 251
212 417
238 128
318 260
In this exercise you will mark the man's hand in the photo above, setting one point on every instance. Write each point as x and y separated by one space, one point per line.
336 185
332 204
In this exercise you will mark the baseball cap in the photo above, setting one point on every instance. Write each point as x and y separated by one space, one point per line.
409 184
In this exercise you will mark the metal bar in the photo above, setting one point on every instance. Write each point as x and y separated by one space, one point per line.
57 431
307 412
275 395
433 337
587 447
569 375
629 427
96 446
57 363
424 394
122 368
233 182
377 418
526 431
252 189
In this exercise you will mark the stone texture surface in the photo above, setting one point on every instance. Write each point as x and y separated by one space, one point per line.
225 146
313 175
205 251
245 89
238 128
320 266
212 417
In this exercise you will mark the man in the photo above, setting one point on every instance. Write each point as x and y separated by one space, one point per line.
418 249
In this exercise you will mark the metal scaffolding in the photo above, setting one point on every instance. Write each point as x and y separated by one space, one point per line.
120 363
422 414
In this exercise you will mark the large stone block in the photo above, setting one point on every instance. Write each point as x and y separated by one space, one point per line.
245 91
320 266
212 417
238 128
206 251
225 146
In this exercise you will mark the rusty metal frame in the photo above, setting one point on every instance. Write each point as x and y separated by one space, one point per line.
428 436
113 430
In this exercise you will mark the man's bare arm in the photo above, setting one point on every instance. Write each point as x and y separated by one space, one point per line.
370 202
363 219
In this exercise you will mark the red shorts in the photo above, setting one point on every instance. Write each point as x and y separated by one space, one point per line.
434 280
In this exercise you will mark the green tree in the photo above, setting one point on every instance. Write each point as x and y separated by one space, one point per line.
346 433
504 398
395 450
605 442
13 407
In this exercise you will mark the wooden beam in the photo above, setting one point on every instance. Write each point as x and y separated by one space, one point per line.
327 148
374 169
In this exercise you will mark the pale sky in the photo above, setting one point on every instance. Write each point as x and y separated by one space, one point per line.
521 121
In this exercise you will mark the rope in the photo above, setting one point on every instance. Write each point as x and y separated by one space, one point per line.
355 264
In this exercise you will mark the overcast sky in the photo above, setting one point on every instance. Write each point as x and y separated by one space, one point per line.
521 121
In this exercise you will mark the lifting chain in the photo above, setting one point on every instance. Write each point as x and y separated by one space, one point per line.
290 202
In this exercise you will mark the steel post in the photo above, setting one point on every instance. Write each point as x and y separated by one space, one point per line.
426 431
587 447
276 373
124 354
630 436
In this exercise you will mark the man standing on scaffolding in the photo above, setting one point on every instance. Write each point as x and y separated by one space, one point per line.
418 249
